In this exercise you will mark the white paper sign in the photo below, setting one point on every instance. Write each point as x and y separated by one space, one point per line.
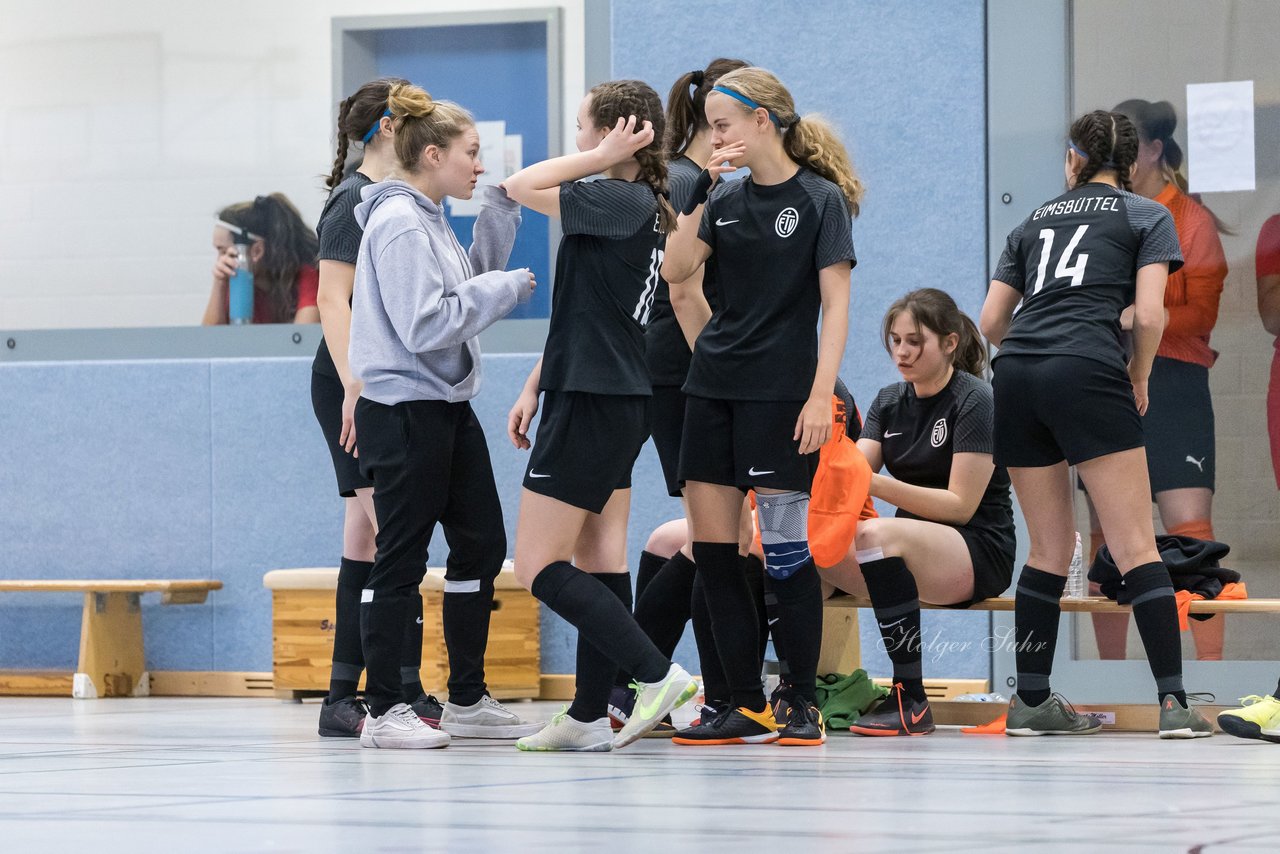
1220 156
514 155
493 155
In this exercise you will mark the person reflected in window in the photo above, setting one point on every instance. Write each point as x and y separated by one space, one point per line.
282 257
1268 271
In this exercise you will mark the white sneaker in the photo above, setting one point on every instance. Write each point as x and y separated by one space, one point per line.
654 701
566 733
486 719
400 727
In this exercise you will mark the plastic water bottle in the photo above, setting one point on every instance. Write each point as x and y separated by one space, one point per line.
240 289
1077 581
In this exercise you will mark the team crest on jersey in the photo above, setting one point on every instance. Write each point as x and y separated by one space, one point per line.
786 222
939 434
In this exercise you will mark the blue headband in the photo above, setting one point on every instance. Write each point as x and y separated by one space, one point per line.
1076 149
750 103
368 136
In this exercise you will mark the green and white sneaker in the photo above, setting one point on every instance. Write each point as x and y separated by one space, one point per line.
654 701
563 733
1055 716
1179 721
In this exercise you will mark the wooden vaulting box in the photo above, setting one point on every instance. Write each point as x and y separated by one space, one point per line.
303 622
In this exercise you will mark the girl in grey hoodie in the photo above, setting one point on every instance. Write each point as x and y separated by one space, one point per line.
419 302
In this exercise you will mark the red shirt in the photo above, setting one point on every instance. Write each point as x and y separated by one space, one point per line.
307 286
1193 292
1269 248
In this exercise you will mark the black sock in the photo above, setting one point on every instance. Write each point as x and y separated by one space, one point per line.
348 655
753 568
733 620
587 605
411 651
715 686
897 605
465 615
1036 608
595 670
649 566
797 627
663 609
1155 612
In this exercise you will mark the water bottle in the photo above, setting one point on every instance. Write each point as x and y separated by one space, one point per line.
1077 581
240 289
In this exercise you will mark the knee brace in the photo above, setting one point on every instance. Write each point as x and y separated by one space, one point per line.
784 532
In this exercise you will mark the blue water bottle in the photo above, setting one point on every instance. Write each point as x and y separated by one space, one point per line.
240 287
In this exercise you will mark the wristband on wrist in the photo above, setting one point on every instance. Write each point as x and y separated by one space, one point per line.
699 195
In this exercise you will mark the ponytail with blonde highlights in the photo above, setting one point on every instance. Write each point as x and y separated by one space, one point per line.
421 122
810 141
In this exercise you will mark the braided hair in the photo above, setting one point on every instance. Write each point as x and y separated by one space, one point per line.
621 98
358 114
1109 141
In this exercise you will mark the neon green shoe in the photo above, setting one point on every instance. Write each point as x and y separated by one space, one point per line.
654 701
1257 717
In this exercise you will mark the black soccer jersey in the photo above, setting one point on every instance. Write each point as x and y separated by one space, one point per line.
768 244
1075 260
919 437
605 281
666 352
339 241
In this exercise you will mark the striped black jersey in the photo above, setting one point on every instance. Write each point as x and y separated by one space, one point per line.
1075 261
605 281
767 245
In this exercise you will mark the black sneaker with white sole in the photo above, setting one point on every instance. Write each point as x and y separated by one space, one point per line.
342 718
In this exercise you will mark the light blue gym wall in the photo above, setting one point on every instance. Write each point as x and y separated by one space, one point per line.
904 83
215 468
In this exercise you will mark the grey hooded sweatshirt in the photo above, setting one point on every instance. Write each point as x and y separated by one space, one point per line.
419 300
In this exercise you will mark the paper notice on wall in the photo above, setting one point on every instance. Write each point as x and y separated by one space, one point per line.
493 137
514 151
1220 156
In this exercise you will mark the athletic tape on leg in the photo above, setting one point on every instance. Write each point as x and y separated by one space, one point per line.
784 532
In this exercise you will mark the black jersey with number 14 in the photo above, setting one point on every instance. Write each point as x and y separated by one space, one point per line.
1075 260
606 277
768 243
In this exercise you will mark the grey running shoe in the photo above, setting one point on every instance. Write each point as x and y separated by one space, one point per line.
563 733
1055 716
1179 721
486 718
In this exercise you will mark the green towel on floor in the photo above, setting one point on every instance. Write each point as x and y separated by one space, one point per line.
843 698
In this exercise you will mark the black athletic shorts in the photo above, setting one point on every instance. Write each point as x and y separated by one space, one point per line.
745 443
1051 408
326 401
992 557
666 423
586 445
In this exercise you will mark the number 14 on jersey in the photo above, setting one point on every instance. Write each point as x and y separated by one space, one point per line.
1065 269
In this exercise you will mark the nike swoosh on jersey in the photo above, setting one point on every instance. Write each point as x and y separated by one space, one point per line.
774 620
890 435
535 474
751 472
727 221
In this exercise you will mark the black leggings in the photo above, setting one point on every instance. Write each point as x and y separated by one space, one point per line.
429 464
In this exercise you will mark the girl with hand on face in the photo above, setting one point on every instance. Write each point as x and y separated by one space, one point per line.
419 302
572 535
282 257
760 382
951 541
1064 396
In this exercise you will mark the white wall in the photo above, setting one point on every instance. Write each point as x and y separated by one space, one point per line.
125 126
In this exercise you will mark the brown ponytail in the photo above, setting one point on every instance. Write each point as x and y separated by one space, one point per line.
622 98
686 103
357 115
936 311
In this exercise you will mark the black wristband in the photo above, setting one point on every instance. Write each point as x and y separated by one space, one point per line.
699 195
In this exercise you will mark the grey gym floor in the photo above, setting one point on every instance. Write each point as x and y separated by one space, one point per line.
249 775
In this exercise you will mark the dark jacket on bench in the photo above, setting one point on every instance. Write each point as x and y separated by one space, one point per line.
1193 566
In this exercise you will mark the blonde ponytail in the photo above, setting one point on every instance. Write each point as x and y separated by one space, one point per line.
811 141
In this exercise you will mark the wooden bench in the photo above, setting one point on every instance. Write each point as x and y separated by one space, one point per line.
112 661
840 645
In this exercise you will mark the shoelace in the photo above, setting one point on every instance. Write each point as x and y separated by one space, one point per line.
407 715
1066 704
560 715
1202 697
1253 698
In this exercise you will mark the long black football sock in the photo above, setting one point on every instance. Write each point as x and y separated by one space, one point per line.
649 566
663 609
1036 609
733 620
586 603
797 632
753 568
896 602
715 686
595 670
348 655
1155 612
